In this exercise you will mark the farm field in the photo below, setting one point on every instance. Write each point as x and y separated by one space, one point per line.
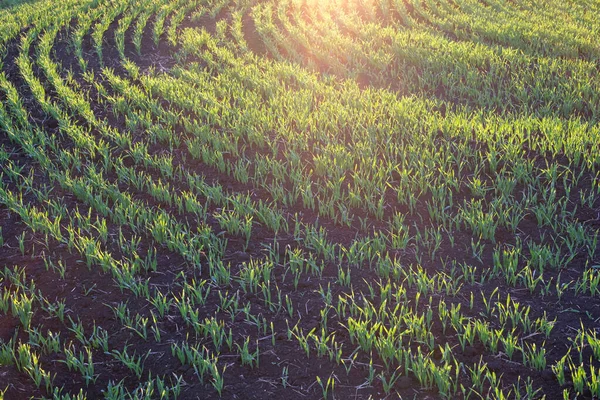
299 199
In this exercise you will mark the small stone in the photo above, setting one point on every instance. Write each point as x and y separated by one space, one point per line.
240 256
405 382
